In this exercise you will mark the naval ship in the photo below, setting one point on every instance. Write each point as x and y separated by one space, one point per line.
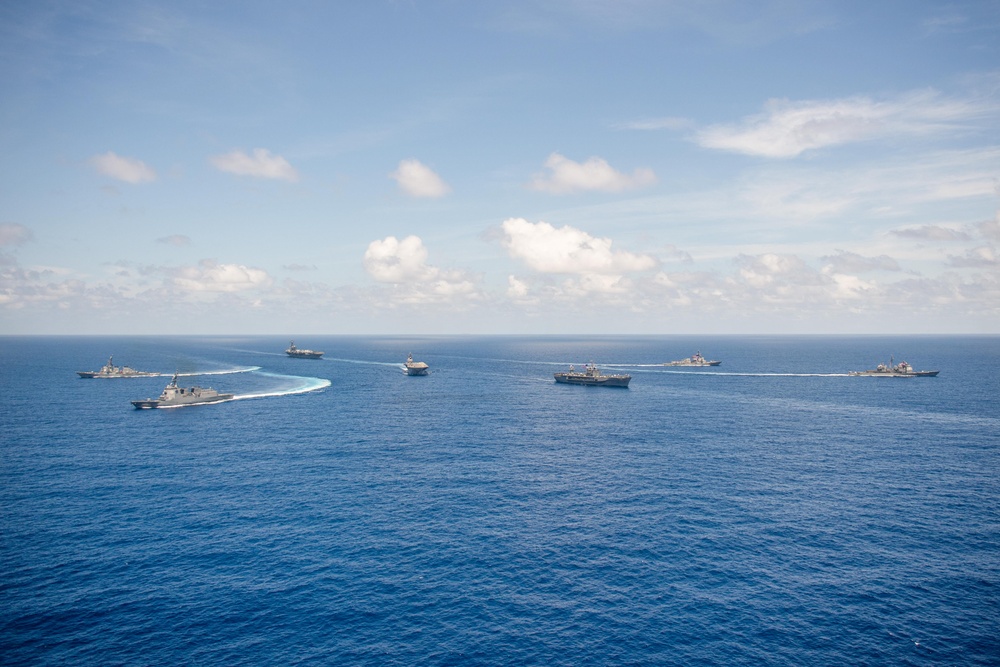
592 376
412 367
695 360
175 397
293 351
891 370
109 370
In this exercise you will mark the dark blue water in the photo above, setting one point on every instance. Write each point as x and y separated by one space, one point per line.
770 511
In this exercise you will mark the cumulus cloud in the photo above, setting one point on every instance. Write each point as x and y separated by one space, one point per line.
262 164
122 168
849 262
12 233
931 233
210 276
566 176
786 129
548 249
176 240
418 180
391 260
403 263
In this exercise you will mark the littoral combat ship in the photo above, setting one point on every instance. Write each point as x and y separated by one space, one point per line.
109 370
891 370
592 376
293 351
412 367
175 397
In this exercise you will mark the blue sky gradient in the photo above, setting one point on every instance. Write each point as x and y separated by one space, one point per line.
564 166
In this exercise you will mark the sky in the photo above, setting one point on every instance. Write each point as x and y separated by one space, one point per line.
518 167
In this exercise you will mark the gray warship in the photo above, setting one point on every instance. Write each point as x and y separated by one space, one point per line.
175 397
694 360
109 370
592 376
893 370
293 351
412 367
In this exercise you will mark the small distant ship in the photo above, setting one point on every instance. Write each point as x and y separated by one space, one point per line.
293 351
694 360
592 376
891 370
414 367
109 370
174 396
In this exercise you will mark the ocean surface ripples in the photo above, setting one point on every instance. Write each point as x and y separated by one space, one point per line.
486 515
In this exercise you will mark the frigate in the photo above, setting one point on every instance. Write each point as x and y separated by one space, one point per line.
694 360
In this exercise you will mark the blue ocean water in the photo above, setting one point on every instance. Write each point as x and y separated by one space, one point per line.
770 511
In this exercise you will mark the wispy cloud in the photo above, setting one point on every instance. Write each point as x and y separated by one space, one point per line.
123 168
13 234
261 164
418 180
176 240
786 129
666 123
566 176
931 233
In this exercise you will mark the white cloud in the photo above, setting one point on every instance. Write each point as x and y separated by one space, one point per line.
125 169
210 276
982 257
931 233
262 164
12 233
665 123
787 129
176 240
390 260
418 180
595 174
548 249
991 228
403 263
849 262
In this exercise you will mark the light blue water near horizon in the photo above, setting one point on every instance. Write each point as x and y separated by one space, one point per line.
772 510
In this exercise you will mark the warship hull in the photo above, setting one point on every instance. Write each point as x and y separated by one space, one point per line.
601 381
894 374
178 397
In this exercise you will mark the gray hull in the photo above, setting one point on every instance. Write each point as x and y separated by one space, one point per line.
600 381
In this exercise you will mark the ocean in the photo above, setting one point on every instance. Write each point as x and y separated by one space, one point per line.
769 511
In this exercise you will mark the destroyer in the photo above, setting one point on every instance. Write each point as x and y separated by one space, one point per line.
293 351
109 370
900 370
695 360
412 367
592 376
175 397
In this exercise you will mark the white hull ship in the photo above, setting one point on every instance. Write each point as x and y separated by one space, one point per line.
293 351
175 397
591 376
109 370
412 367
891 370
695 360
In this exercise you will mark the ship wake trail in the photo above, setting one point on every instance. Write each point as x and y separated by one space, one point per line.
304 386
231 371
